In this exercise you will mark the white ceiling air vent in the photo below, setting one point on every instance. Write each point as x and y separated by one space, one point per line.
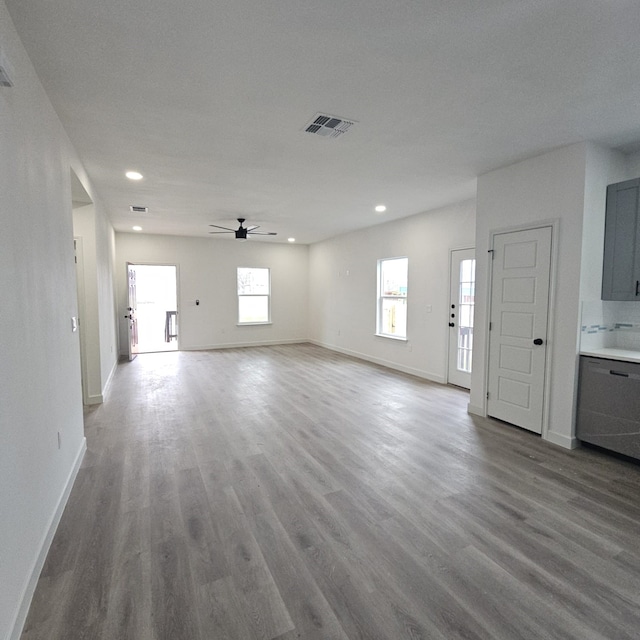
135 209
328 126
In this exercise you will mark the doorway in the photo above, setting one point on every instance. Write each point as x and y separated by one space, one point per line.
153 311
461 308
520 284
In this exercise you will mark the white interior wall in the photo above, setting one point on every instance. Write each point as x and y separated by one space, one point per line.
98 323
632 166
84 228
106 298
547 187
343 289
207 272
567 185
40 391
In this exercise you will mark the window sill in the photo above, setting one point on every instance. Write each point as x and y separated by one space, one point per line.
385 335
251 324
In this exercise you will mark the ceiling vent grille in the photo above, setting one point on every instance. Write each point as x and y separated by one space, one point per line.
328 126
134 209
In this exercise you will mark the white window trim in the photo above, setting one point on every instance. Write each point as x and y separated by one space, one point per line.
381 298
254 295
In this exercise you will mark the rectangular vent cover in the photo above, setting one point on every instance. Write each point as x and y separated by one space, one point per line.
135 209
328 126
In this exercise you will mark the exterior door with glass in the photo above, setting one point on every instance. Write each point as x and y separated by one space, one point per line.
132 324
461 307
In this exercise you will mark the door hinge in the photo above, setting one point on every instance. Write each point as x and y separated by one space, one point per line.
487 395
490 325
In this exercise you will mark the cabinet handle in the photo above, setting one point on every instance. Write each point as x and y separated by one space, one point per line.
618 373
637 287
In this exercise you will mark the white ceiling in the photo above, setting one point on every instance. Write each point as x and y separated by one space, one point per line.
208 99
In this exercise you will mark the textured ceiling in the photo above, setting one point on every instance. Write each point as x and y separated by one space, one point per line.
209 101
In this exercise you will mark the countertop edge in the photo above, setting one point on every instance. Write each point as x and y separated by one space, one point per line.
623 355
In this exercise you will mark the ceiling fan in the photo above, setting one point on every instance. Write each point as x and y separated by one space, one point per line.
243 232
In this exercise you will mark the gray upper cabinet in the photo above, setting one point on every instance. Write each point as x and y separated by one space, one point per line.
621 269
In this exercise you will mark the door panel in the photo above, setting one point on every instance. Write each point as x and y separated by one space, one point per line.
521 269
461 308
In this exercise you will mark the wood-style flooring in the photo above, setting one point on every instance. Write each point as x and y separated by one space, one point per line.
292 492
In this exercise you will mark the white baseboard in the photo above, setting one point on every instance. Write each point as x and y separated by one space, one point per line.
561 440
238 345
476 410
30 586
107 385
419 373
96 399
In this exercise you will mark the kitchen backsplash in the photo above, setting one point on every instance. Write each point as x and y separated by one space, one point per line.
606 324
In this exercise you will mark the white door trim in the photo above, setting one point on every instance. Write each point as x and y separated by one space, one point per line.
554 223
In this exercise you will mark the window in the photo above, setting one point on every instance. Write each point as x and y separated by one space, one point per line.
392 297
254 292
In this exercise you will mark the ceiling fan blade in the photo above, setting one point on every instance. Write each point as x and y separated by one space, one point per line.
230 231
219 227
255 226
262 233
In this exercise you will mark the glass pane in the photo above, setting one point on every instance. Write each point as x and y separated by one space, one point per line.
253 308
394 317
465 314
466 270
253 281
393 277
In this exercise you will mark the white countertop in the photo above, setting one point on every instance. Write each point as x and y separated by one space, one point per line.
625 355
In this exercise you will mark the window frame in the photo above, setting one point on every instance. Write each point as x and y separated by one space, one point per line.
381 297
240 322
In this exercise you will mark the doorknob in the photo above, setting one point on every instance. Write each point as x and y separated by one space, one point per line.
538 341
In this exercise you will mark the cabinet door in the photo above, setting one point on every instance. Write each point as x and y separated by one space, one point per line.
609 405
621 268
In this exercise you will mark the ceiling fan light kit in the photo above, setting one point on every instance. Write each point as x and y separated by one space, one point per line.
243 233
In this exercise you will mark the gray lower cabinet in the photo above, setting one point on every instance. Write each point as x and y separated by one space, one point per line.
609 405
621 265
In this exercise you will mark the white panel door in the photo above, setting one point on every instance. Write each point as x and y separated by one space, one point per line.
521 268
461 307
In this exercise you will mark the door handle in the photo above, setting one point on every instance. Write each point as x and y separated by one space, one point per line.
538 341
452 324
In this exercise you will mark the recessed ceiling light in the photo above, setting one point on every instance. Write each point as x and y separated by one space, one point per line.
291 239
381 208
137 228
133 175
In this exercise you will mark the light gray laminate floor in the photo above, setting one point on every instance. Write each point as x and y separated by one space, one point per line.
291 492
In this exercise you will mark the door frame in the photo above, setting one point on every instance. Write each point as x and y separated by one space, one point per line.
144 263
465 248
80 292
554 223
